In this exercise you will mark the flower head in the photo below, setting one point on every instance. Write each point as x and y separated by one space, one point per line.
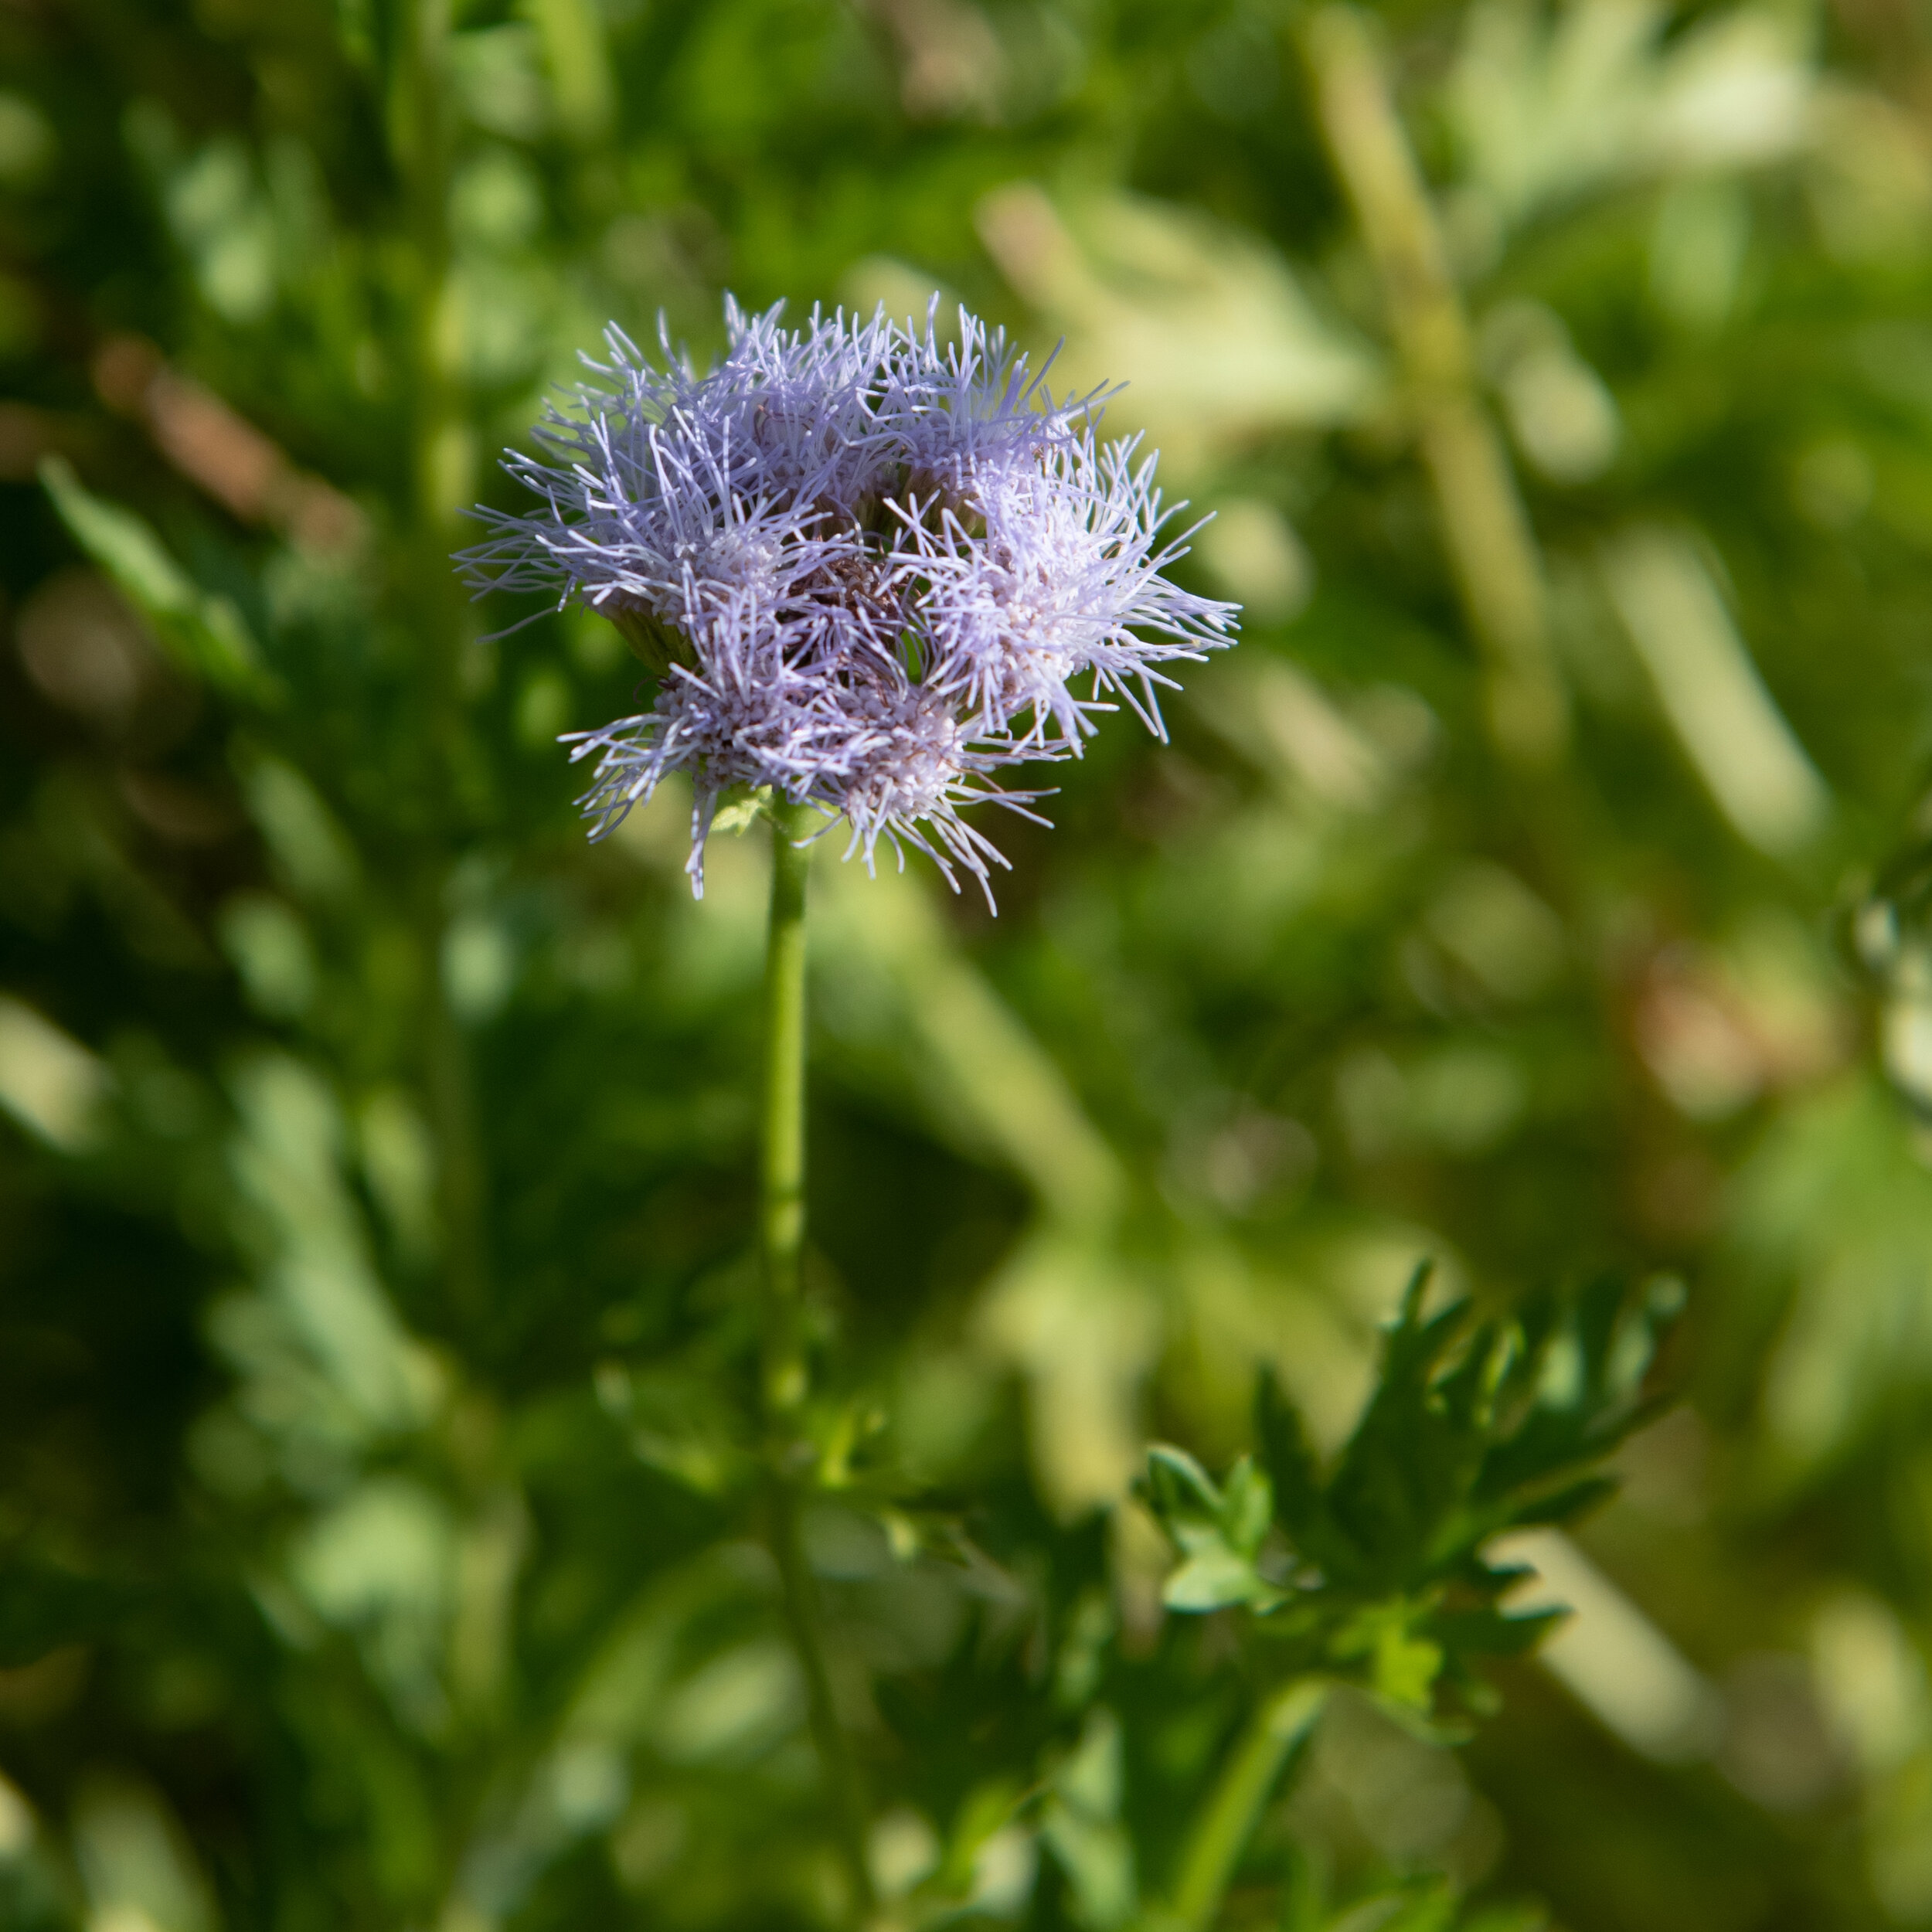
868 571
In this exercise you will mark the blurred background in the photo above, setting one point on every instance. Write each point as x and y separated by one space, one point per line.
1538 888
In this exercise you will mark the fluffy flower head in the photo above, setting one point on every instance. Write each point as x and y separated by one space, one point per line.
870 572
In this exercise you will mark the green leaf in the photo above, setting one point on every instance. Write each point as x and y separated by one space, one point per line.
1247 1506
1288 1459
1470 1431
1566 1505
1217 1531
1489 1633
986 1809
203 633
1213 1577
740 814
1089 1780
1098 1860
1406 1667
1181 1494
1080 1825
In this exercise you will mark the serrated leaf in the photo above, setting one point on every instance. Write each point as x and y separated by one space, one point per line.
1468 1392
1290 1462
1211 1579
1459 1441
1403 1469
1405 1667
1491 1633
1566 1505
1179 1490
1247 1506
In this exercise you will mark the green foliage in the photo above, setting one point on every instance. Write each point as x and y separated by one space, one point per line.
383 1500
205 633
1377 1573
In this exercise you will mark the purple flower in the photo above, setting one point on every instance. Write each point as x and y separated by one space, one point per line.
867 570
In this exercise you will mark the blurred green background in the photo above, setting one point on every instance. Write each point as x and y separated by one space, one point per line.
1536 888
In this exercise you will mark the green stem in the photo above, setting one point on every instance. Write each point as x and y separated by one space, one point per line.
784 1376
1222 1831
1485 527
805 1624
440 479
781 1149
